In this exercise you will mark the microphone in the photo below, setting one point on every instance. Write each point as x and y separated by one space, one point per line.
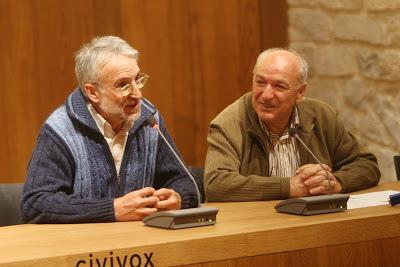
313 204
183 218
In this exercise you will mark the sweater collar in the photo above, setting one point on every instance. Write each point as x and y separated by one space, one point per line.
306 120
254 123
76 105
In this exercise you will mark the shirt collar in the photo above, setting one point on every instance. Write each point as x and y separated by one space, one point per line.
104 127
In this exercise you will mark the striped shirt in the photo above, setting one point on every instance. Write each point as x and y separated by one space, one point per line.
283 157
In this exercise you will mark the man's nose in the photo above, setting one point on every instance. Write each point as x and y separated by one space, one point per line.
268 91
135 92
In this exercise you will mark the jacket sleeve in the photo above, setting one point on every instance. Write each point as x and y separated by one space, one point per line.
48 195
354 168
170 174
224 176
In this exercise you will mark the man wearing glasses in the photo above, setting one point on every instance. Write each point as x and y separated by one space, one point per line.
251 155
97 159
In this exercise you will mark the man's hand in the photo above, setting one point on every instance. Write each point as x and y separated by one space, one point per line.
309 170
297 187
135 205
169 199
315 178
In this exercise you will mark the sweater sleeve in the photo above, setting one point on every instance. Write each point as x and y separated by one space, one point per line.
224 177
48 195
170 174
354 168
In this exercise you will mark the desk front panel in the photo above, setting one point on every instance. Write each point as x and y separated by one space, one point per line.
244 231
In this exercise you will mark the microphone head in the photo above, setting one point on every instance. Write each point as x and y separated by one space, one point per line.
293 131
152 121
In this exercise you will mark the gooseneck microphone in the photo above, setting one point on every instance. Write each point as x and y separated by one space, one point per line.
313 204
183 218
294 132
153 123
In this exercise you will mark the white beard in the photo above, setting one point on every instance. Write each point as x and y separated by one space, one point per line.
110 108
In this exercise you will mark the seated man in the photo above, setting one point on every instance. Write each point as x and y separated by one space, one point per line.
97 159
251 155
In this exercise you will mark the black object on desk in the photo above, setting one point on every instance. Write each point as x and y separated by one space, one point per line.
396 160
177 219
394 199
314 205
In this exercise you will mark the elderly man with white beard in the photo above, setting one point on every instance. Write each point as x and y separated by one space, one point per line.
97 159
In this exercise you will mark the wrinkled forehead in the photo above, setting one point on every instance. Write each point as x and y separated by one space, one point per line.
111 60
117 66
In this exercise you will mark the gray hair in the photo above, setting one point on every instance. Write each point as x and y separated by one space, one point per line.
303 72
95 54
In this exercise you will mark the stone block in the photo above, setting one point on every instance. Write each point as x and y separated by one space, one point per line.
385 161
383 5
296 35
397 100
374 115
342 4
359 112
328 91
366 124
334 60
311 24
379 64
393 26
385 107
360 28
306 50
357 94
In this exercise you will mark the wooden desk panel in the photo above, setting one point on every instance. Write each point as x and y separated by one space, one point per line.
246 233
382 252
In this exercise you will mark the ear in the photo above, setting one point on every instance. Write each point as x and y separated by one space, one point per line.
92 93
301 92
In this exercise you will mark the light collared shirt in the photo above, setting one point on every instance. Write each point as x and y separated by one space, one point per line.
283 157
116 141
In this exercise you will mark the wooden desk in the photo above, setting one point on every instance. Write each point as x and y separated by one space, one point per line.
246 234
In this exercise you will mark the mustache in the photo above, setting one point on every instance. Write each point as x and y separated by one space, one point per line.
133 101
138 98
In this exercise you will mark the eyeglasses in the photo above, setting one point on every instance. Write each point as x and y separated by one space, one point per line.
139 83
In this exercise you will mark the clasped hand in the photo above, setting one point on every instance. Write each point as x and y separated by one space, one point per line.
311 179
138 204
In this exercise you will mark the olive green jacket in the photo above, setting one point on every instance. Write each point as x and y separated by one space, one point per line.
236 167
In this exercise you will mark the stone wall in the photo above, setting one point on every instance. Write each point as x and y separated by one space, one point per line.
353 49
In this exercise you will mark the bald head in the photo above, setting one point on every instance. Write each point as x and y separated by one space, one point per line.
285 59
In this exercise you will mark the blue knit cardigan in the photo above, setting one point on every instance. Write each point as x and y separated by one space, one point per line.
72 176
